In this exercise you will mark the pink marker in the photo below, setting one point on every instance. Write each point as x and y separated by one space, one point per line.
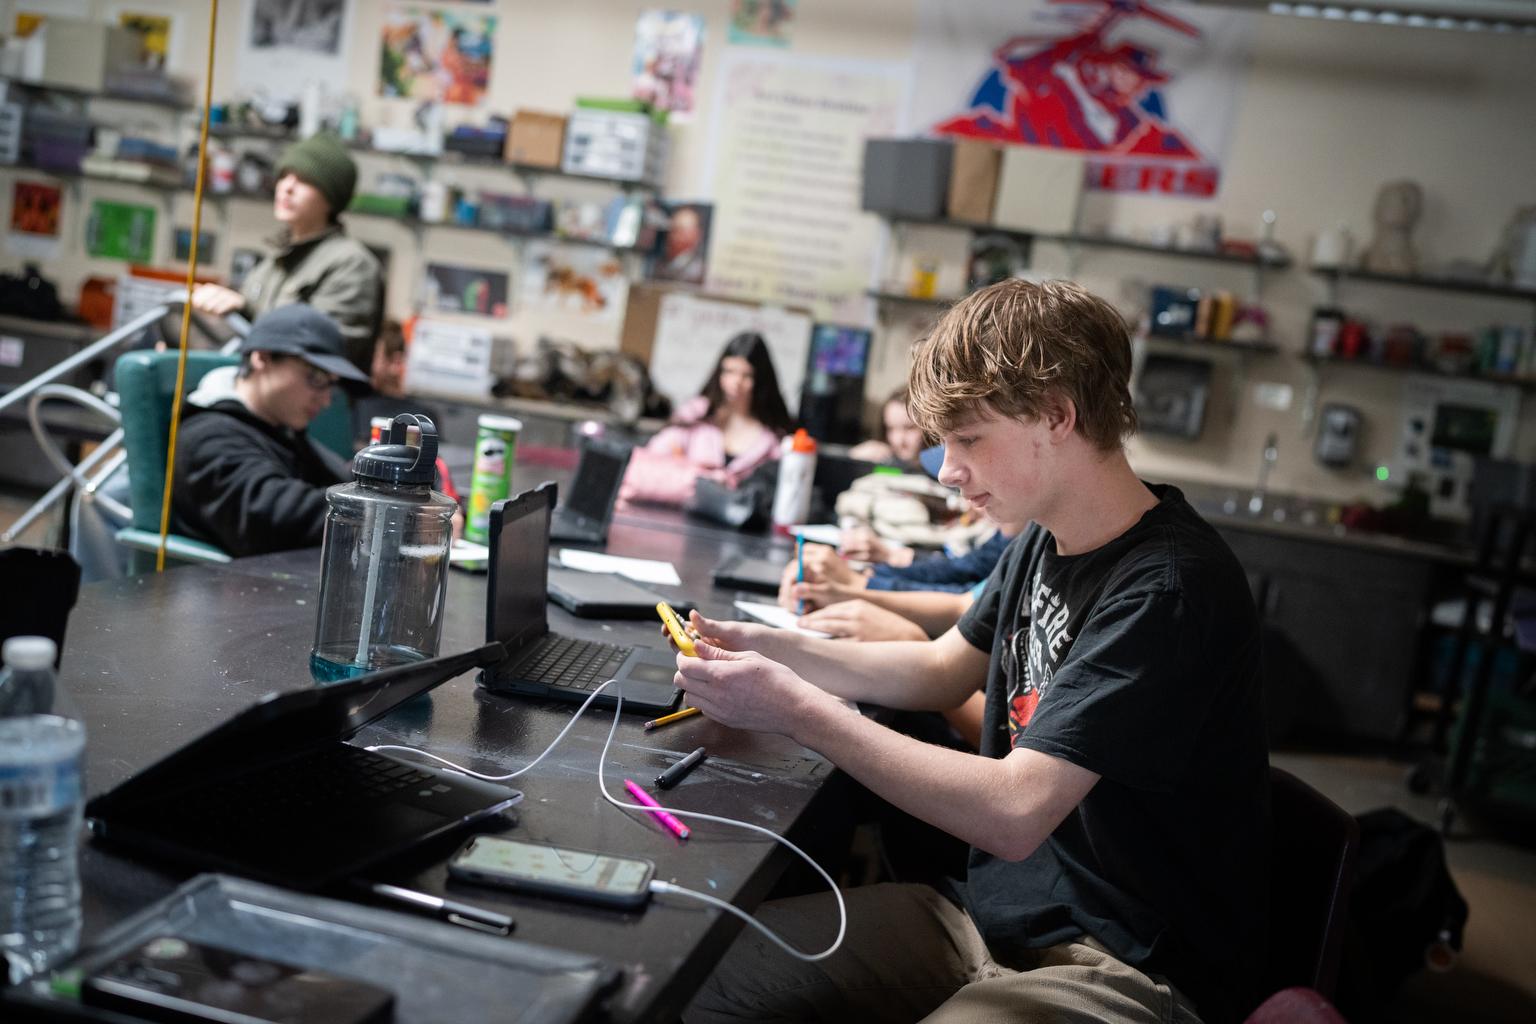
661 814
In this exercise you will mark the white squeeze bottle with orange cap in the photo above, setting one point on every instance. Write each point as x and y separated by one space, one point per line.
797 468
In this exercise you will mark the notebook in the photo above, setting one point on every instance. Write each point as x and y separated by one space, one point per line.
588 507
544 664
275 793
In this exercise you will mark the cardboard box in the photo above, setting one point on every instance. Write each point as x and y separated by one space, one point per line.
907 177
1039 190
973 181
536 139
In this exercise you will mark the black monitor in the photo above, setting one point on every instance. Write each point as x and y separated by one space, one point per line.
832 399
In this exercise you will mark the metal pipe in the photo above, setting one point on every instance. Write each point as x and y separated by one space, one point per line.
65 392
84 356
61 488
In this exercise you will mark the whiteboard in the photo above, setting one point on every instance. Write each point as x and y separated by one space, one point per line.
691 331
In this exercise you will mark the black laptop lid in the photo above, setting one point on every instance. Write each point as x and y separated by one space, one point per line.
280 723
518 586
595 487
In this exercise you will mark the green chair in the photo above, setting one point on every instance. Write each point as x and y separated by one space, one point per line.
145 382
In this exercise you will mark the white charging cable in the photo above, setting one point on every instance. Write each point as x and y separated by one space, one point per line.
659 887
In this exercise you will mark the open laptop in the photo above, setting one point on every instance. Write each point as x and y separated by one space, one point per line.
604 595
544 664
588 507
275 794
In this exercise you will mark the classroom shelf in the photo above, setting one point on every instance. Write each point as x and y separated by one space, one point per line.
265 197
1336 276
116 97
447 157
1101 241
1524 383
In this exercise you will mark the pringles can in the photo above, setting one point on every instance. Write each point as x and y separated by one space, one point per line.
491 479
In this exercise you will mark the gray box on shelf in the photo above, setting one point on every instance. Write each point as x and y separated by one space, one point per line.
77 53
907 177
1039 190
614 144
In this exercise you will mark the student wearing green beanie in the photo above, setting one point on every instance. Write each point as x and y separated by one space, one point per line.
312 259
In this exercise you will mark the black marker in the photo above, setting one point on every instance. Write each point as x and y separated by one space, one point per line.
672 776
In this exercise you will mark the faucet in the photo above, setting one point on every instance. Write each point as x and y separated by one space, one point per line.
1271 455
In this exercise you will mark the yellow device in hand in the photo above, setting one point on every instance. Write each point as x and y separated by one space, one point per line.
676 628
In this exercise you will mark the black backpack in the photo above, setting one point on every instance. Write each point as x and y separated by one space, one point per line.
1405 913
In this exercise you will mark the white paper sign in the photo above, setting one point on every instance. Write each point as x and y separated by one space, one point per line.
449 359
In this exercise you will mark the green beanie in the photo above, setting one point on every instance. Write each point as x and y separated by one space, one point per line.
322 161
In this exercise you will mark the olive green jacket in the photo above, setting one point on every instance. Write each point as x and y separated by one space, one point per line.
335 274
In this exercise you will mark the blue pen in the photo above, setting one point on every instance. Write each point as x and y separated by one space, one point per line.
799 570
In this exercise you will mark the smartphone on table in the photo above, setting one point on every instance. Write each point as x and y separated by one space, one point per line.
169 978
544 870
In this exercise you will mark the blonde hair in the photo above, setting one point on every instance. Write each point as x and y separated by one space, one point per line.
1016 348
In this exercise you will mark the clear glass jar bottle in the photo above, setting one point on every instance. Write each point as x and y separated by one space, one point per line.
384 559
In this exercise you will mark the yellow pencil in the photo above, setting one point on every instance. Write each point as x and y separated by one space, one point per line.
674 716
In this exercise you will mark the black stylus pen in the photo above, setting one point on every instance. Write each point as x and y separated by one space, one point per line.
672 776
452 911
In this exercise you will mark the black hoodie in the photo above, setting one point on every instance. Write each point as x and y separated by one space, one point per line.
247 486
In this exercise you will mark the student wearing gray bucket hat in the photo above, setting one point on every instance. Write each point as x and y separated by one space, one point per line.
248 477
312 258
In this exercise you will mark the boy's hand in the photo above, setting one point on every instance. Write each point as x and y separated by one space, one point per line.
860 620
828 579
217 300
746 690
726 635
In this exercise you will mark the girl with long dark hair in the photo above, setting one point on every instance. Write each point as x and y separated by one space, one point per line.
724 433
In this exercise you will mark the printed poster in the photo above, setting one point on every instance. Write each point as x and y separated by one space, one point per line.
685 251
1146 90
582 280
787 165
668 48
453 289
762 22
121 231
436 54
154 32
181 248
36 208
288 45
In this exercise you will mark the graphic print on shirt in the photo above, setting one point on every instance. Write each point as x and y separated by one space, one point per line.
1045 639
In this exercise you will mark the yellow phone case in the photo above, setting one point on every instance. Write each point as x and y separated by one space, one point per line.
676 628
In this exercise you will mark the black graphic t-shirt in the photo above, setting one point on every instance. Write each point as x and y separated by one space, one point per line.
1138 661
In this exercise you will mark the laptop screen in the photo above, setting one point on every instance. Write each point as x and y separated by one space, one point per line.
519 566
597 480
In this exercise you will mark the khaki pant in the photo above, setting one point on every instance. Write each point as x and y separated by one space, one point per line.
911 955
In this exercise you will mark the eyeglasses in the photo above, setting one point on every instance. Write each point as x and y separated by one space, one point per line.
319 380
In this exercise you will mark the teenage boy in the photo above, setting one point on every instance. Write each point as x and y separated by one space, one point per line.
1118 811
248 477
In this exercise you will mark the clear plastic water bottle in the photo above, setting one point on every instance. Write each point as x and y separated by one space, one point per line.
42 740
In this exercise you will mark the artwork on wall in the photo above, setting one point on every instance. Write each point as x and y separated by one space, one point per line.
685 253
668 48
181 250
121 231
1146 91
436 54
454 289
310 25
154 32
762 22
291 44
572 279
36 208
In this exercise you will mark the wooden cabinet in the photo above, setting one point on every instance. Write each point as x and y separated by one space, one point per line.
1342 630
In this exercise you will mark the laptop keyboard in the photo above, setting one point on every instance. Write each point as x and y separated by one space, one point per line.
338 776
568 663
